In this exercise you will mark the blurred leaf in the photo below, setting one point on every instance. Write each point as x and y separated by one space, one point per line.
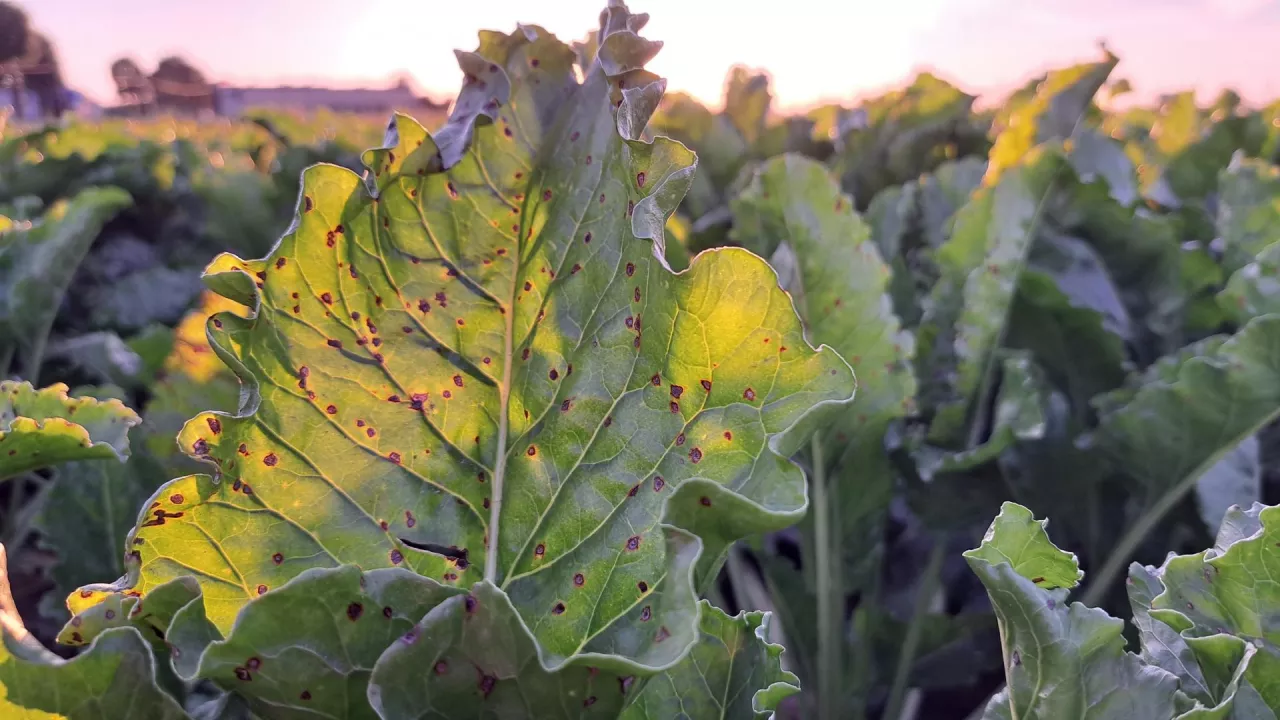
37 265
1248 210
1254 289
41 428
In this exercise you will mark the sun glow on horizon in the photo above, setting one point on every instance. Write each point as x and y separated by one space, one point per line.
815 50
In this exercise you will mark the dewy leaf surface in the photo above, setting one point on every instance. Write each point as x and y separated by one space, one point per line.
115 677
733 672
39 428
486 371
1060 660
38 263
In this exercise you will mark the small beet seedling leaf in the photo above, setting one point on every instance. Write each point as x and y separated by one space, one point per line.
485 371
39 428
1060 660
37 265
115 675
733 672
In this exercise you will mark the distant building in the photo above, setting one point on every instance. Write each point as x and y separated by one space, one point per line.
30 106
234 101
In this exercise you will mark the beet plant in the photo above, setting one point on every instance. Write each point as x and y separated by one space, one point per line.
490 449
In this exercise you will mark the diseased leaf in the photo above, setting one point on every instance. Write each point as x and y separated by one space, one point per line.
116 673
474 651
733 672
485 370
37 265
310 646
40 428
839 287
1248 210
1060 660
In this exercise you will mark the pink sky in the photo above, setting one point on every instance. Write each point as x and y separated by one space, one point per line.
816 50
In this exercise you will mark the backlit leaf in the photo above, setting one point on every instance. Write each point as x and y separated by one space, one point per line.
485 370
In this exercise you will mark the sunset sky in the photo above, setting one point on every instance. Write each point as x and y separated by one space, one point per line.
816 50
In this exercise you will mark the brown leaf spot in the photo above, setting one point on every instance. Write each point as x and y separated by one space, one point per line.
728 435
645 614
354 611
749 394
394 457
397 557
696 455
631 269
270 459
540 550
277 558
633 543
262 589
558 609
579 580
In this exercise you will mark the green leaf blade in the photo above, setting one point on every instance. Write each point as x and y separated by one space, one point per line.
39 428
1060 660
485 370
733 672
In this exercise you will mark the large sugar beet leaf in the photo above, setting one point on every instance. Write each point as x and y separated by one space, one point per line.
37 265
733 672
1060 660
115 677
39 428
477 367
